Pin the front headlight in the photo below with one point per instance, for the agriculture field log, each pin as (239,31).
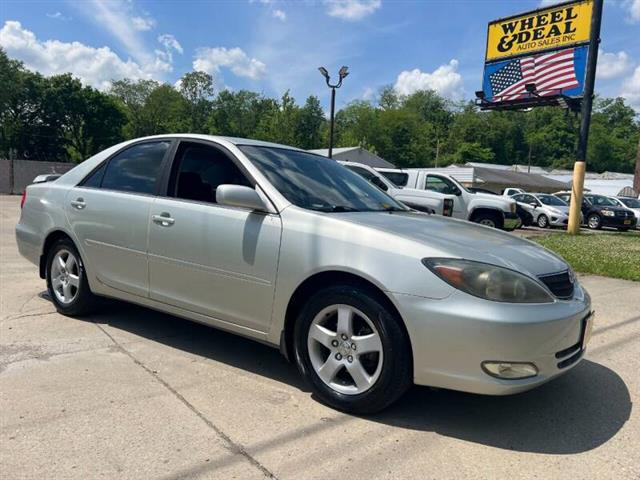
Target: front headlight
(488,281)
(608,213)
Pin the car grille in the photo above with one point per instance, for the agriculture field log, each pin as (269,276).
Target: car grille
(560,284)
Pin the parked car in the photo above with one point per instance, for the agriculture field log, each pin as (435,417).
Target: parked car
(600,211)
(546,210)
(490,210)
(297,251)
(632,204)
(481,190)
(511,191)
(421,200)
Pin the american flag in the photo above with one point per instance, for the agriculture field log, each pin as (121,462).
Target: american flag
(550,73)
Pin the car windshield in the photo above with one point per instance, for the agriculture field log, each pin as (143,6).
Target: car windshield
(318,183)
(630,202)
(552,200)
(602,201)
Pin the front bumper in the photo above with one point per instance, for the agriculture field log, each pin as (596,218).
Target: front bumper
(558,220)
(452,337)
(619,222)
(511,221)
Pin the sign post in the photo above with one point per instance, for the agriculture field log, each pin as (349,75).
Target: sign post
(579,166)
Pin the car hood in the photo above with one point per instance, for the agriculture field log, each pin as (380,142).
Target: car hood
(458,238)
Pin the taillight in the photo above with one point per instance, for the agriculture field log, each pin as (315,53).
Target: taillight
(23,198)
(447,210)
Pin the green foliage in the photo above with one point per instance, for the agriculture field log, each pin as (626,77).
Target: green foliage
(57,118)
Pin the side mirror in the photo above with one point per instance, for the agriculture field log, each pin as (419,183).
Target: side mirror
(239,196)
(457,192)
(533,204)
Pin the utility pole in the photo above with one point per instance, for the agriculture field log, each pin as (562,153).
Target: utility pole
(437,150)
(529,164)
(579,166)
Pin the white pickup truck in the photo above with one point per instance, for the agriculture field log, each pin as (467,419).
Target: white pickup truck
(490,210)
(421,200)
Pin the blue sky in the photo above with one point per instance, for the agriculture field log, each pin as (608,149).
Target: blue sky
(274,45)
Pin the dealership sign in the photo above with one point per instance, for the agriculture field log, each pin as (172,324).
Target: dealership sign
(539,55)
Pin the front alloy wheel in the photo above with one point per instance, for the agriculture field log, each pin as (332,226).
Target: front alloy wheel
(345,349)
(351,347)
(594,221)
(543,221)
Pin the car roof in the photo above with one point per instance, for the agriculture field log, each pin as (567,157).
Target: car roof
(217,138)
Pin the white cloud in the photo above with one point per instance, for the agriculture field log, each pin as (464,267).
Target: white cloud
(94,66)
(612,65)
(445,80)
(368,94)
(170,43)
(143,23)
(352,10)
(279,14)
(115,16)
(210,60)
(633,8)
(631,90)
(58,16)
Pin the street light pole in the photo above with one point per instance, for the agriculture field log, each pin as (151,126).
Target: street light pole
(332,115)
(344,71)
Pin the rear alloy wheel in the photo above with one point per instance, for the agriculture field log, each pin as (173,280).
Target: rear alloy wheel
(594,222)
(543,221)
(352,350)
(67,280)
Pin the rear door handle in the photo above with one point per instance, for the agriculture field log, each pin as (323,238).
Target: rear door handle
(164,219)
(78,203)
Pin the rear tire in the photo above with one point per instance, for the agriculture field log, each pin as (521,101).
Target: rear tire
(352,350)
(67,280)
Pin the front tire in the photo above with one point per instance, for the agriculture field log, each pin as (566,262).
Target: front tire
(488,220)
(67,280)
(352,350)
(594,222)
(543,221)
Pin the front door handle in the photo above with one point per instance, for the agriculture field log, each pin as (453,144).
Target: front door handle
(78,203)
(164,219)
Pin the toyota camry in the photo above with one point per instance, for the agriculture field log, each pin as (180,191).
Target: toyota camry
(364,295)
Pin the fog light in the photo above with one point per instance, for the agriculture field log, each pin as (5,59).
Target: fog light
(510,370)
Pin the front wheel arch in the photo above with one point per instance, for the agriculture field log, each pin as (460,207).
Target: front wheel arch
(322,280)
(498,215)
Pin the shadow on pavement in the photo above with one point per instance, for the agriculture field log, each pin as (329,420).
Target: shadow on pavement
(571,414)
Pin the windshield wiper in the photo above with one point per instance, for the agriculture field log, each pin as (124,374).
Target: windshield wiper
(337,208)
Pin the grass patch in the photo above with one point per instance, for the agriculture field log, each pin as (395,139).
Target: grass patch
(614,255)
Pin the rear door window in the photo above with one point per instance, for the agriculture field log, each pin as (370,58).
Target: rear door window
(136,169)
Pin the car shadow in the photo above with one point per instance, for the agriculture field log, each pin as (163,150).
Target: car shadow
(571,414)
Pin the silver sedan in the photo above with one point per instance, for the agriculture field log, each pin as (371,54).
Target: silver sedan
(294,250)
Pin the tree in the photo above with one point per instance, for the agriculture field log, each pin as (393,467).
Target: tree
(165,111)
(134,96)
(197,89)
(309,124)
